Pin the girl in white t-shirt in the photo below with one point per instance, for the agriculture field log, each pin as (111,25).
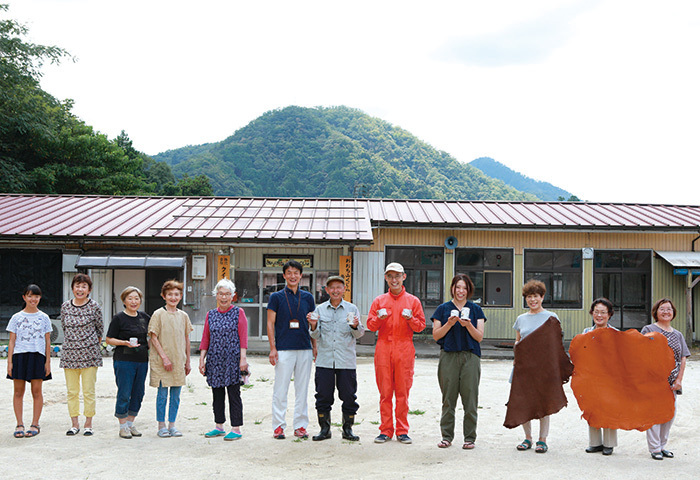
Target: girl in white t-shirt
(29,357)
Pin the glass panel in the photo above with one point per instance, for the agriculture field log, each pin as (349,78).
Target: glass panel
(638,260)
(430,257)
(247,286)
(433,288)
(405,256)
(469,258)
(608,285)
(498,259)
(272,282)
(498,289)
(538,260)
(320,294)
(608,260)
(252,314)
(566,259)
(566,289)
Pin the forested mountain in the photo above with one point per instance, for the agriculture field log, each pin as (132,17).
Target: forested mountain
(333,152)
(542,190)
(44,148)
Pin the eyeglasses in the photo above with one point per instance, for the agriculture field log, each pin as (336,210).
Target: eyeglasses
(394,277)
(666,310)
(221,294)
(600,312)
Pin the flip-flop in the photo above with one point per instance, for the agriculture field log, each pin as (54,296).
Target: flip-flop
(72,431)
(468,446)
(88,432)
(32,433)
(19,433)
(444,444)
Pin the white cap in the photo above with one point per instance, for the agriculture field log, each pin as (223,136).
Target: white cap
(394,267)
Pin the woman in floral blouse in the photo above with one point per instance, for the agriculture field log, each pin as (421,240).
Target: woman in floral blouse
(81,318)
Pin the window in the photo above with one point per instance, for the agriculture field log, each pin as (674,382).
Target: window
(423,268)
(624,278)
(561,272)
(491,270)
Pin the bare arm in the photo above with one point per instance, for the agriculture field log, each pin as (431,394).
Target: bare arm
(271,317)
(47,367)
(188,368)
(10,352)
(477,333)
(440,330)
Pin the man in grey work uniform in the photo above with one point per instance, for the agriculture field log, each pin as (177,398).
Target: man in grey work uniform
(336,330)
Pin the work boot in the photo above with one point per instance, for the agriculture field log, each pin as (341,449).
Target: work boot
(324,421)
(348,421)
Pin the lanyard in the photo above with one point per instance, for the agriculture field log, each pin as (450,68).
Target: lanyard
(292,317)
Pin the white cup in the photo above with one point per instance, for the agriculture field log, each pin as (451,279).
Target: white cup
(351,319)
(454,313)
(407,312)
(465,313)
(315,315)
(133,341)
(381,312)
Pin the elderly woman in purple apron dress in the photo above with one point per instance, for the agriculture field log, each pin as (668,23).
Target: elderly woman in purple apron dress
(223,359)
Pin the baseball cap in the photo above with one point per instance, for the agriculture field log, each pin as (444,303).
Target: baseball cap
(394,267)
(335,278)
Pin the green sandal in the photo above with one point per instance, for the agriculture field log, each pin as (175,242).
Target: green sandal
(541,447)
(525,445)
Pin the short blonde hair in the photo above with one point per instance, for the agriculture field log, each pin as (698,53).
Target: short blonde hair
(128,291)
(171,285)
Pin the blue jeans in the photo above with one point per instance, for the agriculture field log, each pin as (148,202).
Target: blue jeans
(131,384)
(162,399)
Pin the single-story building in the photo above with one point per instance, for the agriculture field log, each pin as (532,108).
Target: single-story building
(633,254)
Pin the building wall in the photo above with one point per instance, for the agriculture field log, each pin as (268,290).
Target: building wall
(500,320)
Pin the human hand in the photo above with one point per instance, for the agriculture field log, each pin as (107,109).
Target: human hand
(47,367)
(355,323)
(167,364)
(676,386)
(382,313)
(202,365)
(9,368)
(188,368)
(312,321)
(407,313)
(244,365)
(314,349)
(274,357)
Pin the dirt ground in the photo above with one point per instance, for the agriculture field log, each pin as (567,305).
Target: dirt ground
(257,455)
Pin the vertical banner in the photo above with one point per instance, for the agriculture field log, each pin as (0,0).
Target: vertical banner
(346,272)
(223,267)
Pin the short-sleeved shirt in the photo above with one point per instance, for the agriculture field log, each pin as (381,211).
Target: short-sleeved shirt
(171,330)
(529,322)
(124,327)
(457,338)
(30,330)
(676,341)
(291,306)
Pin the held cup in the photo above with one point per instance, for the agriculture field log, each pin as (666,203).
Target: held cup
(407,312)
(465,313)
(381,312)
(351,319)
(133,341)
(315,315)
(454,313)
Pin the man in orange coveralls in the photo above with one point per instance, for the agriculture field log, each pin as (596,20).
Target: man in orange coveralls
(395,315)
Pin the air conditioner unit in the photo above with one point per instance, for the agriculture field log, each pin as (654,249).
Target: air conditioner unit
(57,333)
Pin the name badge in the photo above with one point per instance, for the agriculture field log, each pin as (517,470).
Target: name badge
(294,323)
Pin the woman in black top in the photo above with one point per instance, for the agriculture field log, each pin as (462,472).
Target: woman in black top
(128,332)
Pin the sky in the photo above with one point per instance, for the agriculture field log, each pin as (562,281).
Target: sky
(600,98)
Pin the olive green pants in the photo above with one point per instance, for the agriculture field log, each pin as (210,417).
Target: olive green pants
(459,374)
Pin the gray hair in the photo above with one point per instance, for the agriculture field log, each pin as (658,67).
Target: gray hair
(226,284)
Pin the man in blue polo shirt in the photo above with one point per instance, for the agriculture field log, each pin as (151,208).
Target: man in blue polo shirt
(290,349)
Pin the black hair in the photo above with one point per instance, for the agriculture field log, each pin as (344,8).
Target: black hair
(292,264)
(32,290)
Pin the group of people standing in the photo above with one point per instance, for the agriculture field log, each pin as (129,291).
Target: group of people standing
(299,332)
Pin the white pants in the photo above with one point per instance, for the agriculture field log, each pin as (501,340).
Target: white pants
(297,363)
(606,437)
(544,427)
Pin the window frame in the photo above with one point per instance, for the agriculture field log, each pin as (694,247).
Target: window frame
(529,274)
(485,270)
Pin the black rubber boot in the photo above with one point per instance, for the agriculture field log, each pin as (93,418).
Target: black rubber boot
(348,421)
(324,421)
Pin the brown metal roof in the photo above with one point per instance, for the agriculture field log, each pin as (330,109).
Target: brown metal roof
(309,220)
(534,215)
(178,218)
